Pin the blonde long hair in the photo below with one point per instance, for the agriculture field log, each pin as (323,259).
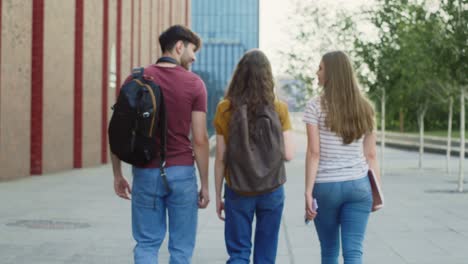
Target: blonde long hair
(349,113)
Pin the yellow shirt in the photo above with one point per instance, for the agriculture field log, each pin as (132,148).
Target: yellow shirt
(222,118)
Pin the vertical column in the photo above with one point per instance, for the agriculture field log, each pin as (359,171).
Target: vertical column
(131,33)
(78,86)
(187,12)
(118,59)
(139,33)
(158,29)
(170,13)
(151,33)
(105,79)
(37,64)
(1,1)
(161,16)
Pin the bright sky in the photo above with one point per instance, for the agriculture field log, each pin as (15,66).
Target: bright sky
(274,26)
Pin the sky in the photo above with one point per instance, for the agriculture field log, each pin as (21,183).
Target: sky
(274,25)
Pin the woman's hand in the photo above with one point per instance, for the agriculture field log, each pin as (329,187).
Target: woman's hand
(310,214)
(220,207)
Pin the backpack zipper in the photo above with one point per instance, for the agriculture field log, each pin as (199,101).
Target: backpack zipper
(153,99)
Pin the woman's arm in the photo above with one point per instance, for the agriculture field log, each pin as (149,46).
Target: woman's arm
(289,147)
(370,152)
(219,174)
(312,162)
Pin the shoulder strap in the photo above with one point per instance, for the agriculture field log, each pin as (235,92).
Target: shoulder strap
(163,140)
(138,73)
(168,60)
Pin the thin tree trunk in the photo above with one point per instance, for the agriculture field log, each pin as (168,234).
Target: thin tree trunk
(449,135)
(402,121)
(462,140)
(421,140)
(421,115)
(382,133)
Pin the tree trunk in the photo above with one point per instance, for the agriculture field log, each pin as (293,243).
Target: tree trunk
(421,114)
(382,133)
(402,121)
(421,140)
(449,135)
(462,140)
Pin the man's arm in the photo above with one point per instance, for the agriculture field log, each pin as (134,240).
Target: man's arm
(201,150)
(121,186)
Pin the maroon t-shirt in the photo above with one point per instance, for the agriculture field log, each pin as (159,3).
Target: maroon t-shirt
(184,92)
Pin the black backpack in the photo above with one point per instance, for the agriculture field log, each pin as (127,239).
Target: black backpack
(255,163)
(139,118)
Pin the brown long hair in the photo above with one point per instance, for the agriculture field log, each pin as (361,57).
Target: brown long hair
(252,84)
(349,113)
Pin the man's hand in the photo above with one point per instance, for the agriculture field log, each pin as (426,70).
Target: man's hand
(203,198)
(220,208)
(122,188)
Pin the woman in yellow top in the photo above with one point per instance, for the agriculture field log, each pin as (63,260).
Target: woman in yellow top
(252,141)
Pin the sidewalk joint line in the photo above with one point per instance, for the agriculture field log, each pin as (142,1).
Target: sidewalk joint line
(288,242)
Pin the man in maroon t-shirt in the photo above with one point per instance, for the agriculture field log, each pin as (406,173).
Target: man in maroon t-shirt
(186,104)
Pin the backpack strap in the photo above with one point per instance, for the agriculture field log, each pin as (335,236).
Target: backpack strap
(167,60)
(137,72)
(163,141)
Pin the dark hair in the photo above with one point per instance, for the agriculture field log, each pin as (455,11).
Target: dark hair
(169,38)
(252,84)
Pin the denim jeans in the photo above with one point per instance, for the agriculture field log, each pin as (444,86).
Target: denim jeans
(240,211)
(342,205)
(151,205)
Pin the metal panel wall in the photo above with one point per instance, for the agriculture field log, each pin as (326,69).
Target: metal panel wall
(228,29)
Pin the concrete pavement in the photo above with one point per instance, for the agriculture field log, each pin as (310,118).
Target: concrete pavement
(74,217)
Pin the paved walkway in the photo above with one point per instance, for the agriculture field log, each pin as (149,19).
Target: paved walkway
(424,221)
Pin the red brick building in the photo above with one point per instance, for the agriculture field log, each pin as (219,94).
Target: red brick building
(60,64)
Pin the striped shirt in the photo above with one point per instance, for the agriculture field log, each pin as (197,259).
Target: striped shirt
(338,162)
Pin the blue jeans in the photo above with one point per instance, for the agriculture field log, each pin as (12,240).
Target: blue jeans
(240,211)
(151,205)
(344,205)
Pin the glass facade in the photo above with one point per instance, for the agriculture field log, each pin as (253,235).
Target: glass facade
(228,28)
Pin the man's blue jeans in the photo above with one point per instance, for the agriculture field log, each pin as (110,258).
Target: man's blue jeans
(344,205)
(151,205)
(240,211)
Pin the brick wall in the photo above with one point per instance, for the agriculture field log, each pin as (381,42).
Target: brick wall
(15,98)
(54,113)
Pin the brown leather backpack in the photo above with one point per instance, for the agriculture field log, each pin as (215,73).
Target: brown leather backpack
(255,163)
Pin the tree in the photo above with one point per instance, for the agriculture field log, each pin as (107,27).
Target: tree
(318,28)
(455,16)
(419,42)
(406,61)
(377,67)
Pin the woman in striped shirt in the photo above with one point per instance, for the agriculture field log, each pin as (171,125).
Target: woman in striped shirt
(341,149)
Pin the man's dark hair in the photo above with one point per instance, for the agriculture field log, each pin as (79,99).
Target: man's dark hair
(169,38)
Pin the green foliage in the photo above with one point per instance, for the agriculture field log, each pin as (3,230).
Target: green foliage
(418,57)
(318,29)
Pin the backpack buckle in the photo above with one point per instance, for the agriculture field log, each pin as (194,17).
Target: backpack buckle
(148,77)
(137,72)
